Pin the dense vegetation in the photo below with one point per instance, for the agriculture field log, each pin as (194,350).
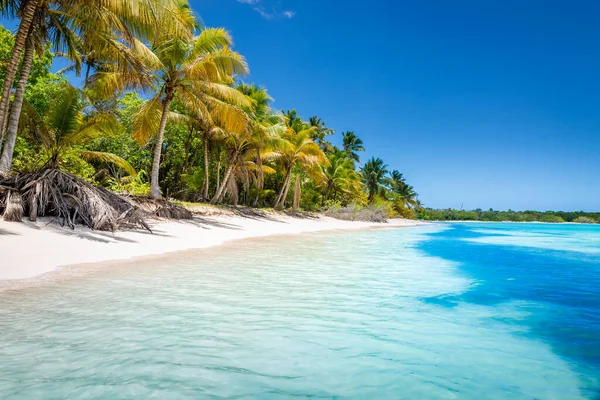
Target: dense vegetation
(514,216)
(156,106)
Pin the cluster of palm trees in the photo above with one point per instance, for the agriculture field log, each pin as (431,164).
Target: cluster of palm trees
(189,76)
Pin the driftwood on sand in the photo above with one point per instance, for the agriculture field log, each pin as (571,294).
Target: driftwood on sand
(71,200)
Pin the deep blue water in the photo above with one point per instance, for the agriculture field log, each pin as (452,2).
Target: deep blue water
(555,269)
(449,311)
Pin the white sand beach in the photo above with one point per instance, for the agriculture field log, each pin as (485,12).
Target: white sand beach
(32,249)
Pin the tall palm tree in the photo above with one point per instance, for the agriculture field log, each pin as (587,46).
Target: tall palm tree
(408,196)
(71,25)
(196,69)
(340,176)
(47,23)
(262,126)
(131,12)
(373,175)
(26,9)
(352,145)
(321,131)
(267,123)
(296,149)
(66,127)
(396,181)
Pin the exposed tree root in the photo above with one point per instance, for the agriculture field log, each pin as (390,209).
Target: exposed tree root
(71,200)
(14,207)
(161,208)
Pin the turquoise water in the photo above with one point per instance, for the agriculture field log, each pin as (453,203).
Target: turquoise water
(455,311)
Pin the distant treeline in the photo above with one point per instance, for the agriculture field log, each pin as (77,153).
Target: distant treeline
(516,216)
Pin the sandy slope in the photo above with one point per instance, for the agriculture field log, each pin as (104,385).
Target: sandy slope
(28,250)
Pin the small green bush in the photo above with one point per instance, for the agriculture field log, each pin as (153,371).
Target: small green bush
(554,219)
(585,220)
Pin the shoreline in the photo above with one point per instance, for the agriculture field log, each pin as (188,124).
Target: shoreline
(32,251)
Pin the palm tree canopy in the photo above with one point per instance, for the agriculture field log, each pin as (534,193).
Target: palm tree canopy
(373,175)
(352,145)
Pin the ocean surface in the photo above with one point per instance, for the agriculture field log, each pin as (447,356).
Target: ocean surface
(448,311)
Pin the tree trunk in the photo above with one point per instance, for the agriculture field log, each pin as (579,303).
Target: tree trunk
(154,187)
(221,190)
(206,166)
(186,158)
(34,202)
(14,207)
(13,64)
(297,189)
(15,110)
(218,166)
(283,193)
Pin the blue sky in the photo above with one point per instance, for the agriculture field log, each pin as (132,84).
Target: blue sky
(479,103)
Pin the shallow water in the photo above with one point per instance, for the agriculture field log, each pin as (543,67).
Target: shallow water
(457,311)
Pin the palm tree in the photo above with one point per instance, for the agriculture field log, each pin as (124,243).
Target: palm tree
(352,145)
(321,131)
(373,175)
(408,196)
(70,26)
(267,123)
(26,9)
(66,127)
(296,149)
(263,126)
(65,12)
(340,176)
(396,181)
(196,69)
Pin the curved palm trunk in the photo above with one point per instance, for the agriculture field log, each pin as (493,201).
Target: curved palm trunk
(297,190)
(13,65)
(218,166)
(154,187)
(206,166)
(261,179)
(284,190)
(15,111)
(221,190)
(285,193)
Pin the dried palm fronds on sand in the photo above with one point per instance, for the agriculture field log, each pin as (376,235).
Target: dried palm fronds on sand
(72,200)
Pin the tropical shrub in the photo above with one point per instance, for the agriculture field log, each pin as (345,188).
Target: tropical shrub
(585,220)
(550,218)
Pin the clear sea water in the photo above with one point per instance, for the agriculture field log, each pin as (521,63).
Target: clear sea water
(452,311)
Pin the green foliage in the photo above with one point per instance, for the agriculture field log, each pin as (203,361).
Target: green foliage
(551,218)
(512,216)
(220,141)
(585,220)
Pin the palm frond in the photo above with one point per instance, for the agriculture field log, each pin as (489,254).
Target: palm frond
(147,120)
(108,158)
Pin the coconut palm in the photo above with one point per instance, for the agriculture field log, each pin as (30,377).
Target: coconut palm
(196,69)
(352,145)
(408,196)
(115,13)
(396,181)
(340,176)
(373,176)
(321,132)
(26,10)
(269,124)
(47,23)
(295,148)
(66,128)
(70,26)
(247,144)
